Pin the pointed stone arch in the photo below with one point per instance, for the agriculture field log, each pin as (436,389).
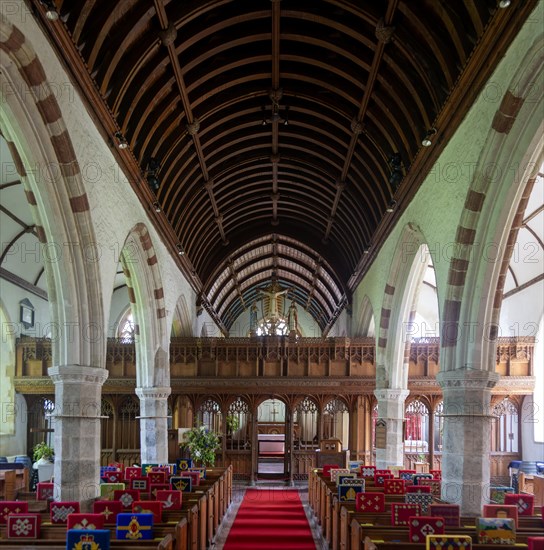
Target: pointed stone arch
(398,308)
(146,296)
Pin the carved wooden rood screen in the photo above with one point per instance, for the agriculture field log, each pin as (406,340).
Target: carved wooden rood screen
(326,385)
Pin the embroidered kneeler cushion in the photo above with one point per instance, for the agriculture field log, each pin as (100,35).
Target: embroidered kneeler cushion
(535,543)
(524,502)
(23,526)
(186,463)
(44,490)
(201,471)
(379,479)
(496,530)
(59,511)
(501,511)
(368,472)
(83,539)
(126,497)
(109,509)
(386,471)
(335,472)
(146,468)
(424,500)
(168,469)
(107,490)
(134,526)
(181,483)
(113,477)
(140,484)
(437,474)
(131,472)
(341,477)
(448,542)
(149,507)
(85,521)
(426,489)
(348,493)
(156,477)
(195,476)
(496,494)
(402,512)
(8,507)
(327,469)
(434,484)
(417,477)
(450,513)
(421,526)
(370,502)
(171,500)
(406,474)
(394,486)
(154,487)
(355,482)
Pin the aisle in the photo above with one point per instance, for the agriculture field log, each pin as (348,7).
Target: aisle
(270,520)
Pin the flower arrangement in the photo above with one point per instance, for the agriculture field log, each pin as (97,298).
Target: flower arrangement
(202,445)
(43,451)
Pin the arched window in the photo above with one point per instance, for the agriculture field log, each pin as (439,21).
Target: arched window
(272,327)
(504,433)
(238,425)
(416,435)
(336,421)
(125,329)
(305,421)
(209,415)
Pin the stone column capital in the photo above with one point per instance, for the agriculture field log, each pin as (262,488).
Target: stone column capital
(391,395)
(153,393)
(77,374)
(467,379)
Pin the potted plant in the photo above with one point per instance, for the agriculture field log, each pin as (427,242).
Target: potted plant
(43,453)
(202,445)
(233,423)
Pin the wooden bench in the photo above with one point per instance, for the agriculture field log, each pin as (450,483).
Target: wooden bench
(12,481)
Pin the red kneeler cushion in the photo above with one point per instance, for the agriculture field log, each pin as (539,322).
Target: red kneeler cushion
(126,497)
(394,486)
(109,509)
(155,487)
(149,507)
(85,521)
(23,526)
(156,477)
(501,511)
(171,500)
(132,471)
(370,502)
(8,507)
(44,490)
(418,489)
(327,469)
(535,543)
(59,511)
(525,503)
(401,512)
(421,526)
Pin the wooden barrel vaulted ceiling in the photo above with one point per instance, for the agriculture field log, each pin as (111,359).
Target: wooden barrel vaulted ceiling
(274,135)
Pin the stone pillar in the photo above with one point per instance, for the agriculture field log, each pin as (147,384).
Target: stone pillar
(153,425)
(391,409)
(467,428)
(76,421)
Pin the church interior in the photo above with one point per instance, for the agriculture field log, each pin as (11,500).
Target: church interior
(315,228)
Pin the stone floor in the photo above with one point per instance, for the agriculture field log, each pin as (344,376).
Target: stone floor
(238,491)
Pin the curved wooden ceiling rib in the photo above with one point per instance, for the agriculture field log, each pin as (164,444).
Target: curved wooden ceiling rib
(354,98)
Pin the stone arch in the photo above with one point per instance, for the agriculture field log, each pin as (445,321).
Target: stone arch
(32,123)
(366,320)
(490,219)
(182,325)
(146,296)
(398,308)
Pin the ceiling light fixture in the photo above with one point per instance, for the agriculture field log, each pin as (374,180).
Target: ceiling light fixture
(181,251)
(391,206)
(428,139)
(157,207)
(275,114)
(153,167)
(504,3)
(122,143)
(50,10)
(366,250)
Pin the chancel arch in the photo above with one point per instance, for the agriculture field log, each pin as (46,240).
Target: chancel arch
(365,325)
(181,323)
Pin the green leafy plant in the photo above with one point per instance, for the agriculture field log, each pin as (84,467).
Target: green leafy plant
(43,450)
(202,445)
(233,423)
(422,457)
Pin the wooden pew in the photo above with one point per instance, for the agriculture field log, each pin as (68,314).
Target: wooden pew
(369,544)
(12,481)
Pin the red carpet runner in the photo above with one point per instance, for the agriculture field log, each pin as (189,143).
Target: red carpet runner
(270,519)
